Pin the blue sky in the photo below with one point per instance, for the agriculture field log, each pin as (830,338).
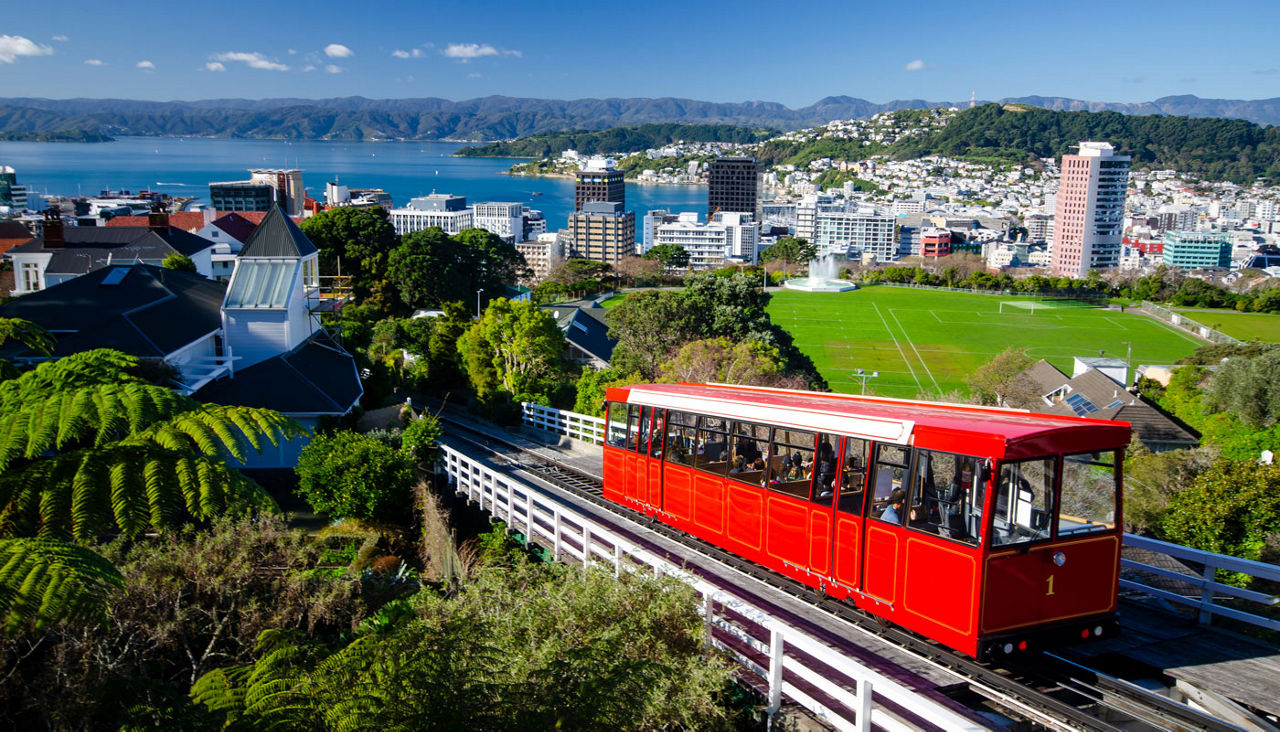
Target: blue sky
(794,53)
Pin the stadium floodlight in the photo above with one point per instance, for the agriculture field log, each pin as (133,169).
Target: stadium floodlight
(862,376)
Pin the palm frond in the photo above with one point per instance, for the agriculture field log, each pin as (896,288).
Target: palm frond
(43,582)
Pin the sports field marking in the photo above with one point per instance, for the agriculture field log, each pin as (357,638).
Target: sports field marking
(899,345)
(906,335)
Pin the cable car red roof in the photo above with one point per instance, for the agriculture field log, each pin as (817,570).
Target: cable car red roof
(876,418)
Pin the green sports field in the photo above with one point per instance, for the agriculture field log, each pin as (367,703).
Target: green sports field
(925,341)
(1245,326)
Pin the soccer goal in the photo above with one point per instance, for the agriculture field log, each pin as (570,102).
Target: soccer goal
(1022,305)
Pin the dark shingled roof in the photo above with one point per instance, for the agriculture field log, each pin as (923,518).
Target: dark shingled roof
(584,326)
(315,378)
(89,248)
(237,226)
(150,313)
(277,236)
(1153,425)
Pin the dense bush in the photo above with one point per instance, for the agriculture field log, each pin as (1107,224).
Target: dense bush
(349,475)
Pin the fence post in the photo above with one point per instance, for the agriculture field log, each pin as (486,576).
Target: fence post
(863,719)
(528,517)
(617,559)
(586,545)
(555,544)
(776,647)
(1210,575)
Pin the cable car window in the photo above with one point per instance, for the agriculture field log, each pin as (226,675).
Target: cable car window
(947,495)
(748,447)
(888,502)
(1088,493)
(824,470)
(791,462)
(682,436)
(853,475)
(712,454)
(1024,502)
(617,429)
(634,434)
(659,429)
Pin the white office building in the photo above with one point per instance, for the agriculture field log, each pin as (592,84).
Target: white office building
(504,219)
(448,212)
(854,232)
(728,237)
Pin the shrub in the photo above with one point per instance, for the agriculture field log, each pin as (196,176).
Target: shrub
(419,438)
(349,475)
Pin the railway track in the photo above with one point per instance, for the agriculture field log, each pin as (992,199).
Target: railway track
(1046,690)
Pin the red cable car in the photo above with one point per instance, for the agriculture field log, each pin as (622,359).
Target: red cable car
(991,531)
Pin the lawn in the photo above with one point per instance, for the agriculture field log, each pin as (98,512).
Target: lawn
(1245,326)
(614,301)
(926,342)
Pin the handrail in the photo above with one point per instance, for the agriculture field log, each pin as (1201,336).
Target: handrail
(561,421)
(837,689)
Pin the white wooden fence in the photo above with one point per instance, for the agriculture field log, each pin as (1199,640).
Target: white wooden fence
(1210,591)
(564,422)
(778,659)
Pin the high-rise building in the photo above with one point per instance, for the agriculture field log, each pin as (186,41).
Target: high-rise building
(1039,227)
(649,223)
(1088,219)
(733,186)
(448,212)
(602,231)
(266,187)
(12,194)
(1195,249)
(727,237)
(935,242)
(599,181)
(504,219)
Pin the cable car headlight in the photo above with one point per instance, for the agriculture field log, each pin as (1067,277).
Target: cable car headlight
(1059,558)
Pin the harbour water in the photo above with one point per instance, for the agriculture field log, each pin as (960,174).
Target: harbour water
(185,166)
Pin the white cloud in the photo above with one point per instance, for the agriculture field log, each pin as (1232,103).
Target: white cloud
(94,62)
(337,50)
(333,68)
(60,38)
(214,66)
(511,52)
(253,60)
(468,51)
(412,53)
(309,67)
(475,76)
(293,52)
(11,47)
(146,65)
(916,65)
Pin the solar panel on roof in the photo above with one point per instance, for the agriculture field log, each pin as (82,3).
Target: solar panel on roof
(115,276)
(1116,403)
(1081,405)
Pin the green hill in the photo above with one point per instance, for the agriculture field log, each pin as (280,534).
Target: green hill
(616,140)
(1214,149)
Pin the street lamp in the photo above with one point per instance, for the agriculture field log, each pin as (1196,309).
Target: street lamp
(863,376)
(478,302)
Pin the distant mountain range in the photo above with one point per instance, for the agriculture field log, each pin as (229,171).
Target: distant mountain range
(502,118)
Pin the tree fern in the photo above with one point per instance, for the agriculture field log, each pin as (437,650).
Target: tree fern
(270,693)
(43,582)
(129,488)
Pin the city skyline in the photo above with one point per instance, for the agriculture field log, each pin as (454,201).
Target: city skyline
(941,52)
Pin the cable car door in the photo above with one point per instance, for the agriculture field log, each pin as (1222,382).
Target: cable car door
(847,521)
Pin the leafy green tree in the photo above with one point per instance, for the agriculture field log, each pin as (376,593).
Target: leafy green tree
(996,381)
(1248,389)
(721,360)
(590,388)
(1232,508)
(516,347)
(350,475)
(431,268)
(88,448)
(790,250)
(180,262)
(420,438)
(359,241)
(648,326)
(672,256)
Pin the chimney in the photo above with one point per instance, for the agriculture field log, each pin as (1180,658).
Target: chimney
(53,237)
(158,220)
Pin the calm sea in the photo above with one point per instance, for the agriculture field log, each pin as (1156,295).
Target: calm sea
(185,166)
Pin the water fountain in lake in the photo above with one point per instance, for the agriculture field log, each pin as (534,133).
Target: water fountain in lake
(823,277)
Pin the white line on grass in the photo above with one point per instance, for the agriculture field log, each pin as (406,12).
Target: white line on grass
(912,343)
(902,353)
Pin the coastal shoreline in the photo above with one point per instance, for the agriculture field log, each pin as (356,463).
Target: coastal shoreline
(637,181)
